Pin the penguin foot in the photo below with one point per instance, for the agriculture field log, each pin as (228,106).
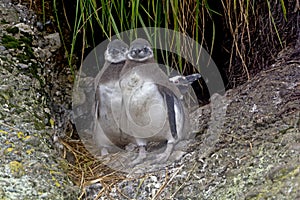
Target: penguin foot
(141,156)
(163,157)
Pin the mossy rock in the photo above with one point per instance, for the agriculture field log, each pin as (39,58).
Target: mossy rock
(13,30)
(10,42)
(3,21)
(26,40)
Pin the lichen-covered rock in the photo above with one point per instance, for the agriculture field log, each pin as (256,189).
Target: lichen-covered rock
(30,168)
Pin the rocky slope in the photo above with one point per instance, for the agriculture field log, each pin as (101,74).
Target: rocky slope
(29,165)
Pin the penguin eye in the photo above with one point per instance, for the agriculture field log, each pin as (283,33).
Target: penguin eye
(114,51)
(133,52)
(123,49)
(145,49)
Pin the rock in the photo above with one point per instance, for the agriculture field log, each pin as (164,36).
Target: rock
(2,48)
(30,166)
(23,66)
(54,41)
(41,53)
(24,28)
(8,13)
(39,26)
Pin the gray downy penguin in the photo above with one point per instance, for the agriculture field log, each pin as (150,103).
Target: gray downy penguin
(151,107)
(108,98)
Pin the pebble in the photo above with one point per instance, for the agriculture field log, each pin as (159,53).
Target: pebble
(23,66)
(2,48)
(54,41)
(24,28)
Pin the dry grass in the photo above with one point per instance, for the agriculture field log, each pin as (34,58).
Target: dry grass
(259,30)
(85,170)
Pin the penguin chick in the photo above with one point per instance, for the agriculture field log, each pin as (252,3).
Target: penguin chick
(151,106)
(108,98)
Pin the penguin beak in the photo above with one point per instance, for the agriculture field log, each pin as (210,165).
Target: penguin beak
(193,77)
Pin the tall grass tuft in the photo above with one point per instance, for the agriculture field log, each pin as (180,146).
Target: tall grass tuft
(256,34)
(113,17)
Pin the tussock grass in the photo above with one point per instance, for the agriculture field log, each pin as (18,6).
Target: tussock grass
(112,17)
(258,31)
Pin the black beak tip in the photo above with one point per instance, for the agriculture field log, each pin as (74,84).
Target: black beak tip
(193,77)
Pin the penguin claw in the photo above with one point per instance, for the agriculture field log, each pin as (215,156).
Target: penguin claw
(141,156)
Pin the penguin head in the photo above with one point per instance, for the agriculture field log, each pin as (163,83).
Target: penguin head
(179,80)
(140,50)
(116,51)
(185,80)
